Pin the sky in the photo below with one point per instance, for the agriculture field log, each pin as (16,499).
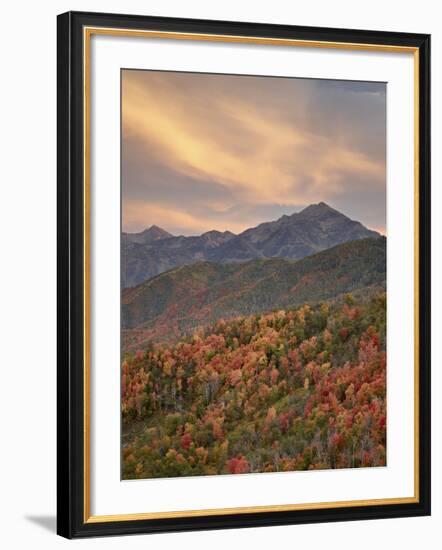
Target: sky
(227,152)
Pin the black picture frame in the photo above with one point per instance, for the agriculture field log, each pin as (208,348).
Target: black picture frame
(72,521)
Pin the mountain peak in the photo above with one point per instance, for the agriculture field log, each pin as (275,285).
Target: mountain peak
(149,235)
(216,232)
(318,208)
(155,229)
(217,237)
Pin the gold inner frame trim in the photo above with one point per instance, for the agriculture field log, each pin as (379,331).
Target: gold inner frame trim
(87,34)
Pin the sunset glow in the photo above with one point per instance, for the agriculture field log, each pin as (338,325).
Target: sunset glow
(224,152)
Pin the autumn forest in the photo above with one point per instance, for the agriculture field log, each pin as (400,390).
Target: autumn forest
(295,389)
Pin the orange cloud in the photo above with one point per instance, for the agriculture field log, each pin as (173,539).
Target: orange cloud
(255,152)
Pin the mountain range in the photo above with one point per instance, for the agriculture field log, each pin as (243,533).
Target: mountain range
(316,228)
(173,304)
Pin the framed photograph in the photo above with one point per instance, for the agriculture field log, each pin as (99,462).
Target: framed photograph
(243,274)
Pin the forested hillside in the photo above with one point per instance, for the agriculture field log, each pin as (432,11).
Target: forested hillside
(293,389)
(176,303)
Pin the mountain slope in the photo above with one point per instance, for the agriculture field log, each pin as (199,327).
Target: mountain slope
(176,302)
(141,261)
(315,228)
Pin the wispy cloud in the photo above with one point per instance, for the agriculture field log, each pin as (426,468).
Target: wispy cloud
(259,139)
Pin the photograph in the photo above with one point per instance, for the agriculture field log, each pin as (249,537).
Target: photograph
(253,274)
